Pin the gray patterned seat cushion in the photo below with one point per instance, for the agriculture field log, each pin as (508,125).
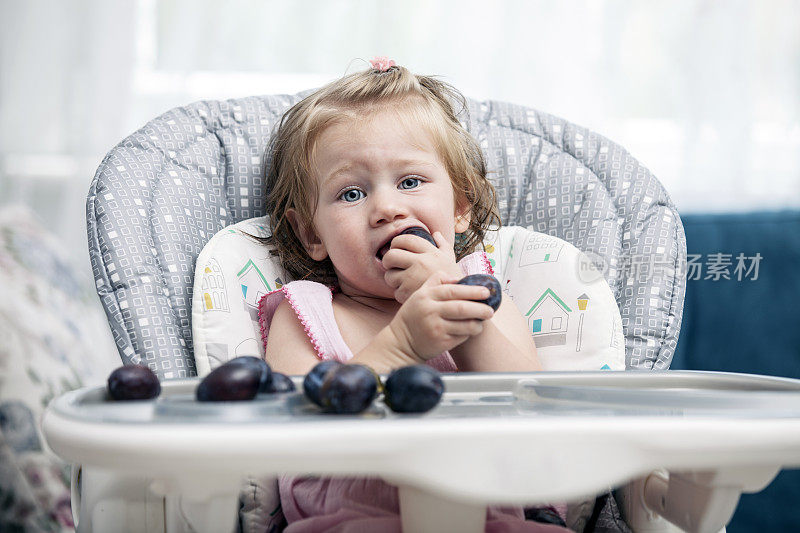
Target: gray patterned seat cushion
(161,194)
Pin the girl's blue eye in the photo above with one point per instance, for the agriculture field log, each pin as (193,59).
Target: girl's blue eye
(351,195)
(410,183)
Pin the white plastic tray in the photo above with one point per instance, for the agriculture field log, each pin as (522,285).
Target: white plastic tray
(494,438)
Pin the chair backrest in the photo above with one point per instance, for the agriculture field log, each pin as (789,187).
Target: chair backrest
(160,195)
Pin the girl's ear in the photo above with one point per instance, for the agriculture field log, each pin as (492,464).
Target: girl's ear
(307,235)
(463,217)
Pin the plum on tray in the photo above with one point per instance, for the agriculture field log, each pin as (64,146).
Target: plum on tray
(230,383)
(413,389)
(258,364)
(280,383)
(133,382)
(348,389)
(312,383)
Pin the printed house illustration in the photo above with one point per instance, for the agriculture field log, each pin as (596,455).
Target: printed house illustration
(540,248)
(548,320)
(253,285)
(215,297)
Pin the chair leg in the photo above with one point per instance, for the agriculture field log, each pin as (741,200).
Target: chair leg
(202,505)
(422,511)
(697,502)
(104,501)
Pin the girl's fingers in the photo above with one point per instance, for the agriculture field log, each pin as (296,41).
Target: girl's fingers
(412,243)
(464,328)
(451,290)
(393,277)
(398,258)
(439,278)
(441,242)
(465,310)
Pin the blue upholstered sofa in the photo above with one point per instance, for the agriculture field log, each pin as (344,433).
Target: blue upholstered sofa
(747,325)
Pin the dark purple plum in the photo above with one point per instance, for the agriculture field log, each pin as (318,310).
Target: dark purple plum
(419,232)
(349,389)
(230,383)
(257,364)
(280,383)
(491,283)
(413,389)
(133,382)
(312,383)
(414,230)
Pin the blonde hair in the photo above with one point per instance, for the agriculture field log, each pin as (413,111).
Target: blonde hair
(422,99)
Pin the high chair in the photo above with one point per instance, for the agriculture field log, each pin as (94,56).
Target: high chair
(165,190)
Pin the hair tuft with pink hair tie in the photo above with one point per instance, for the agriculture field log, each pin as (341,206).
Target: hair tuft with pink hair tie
(382,63)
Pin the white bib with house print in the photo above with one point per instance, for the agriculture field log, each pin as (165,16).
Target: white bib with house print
(568,306)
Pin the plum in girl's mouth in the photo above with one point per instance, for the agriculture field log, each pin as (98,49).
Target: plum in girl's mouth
(414,230)
(419,232)
(383,250)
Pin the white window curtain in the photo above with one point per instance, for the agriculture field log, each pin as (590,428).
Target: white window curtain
(704,93)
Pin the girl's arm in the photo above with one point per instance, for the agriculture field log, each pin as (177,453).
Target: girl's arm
(289,350)
(437,317)
(504,345)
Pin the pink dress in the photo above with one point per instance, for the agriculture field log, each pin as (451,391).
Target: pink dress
(349,505)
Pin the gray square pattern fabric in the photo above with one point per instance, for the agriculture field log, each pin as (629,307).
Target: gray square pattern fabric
(165,190)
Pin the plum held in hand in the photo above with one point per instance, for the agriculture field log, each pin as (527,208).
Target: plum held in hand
(258,364)
(312,383)
(348,389)
(413,389)
(230,383)
(419,232)
(488,281)
(133,382)
(414,230)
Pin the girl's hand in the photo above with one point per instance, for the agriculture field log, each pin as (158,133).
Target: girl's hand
(412,260)
(439,316)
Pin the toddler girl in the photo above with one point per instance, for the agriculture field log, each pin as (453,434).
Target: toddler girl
(350,167)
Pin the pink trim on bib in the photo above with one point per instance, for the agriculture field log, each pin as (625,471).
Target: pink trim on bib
(312,303)
(476,263)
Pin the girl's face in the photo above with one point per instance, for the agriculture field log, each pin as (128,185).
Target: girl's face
(375,178)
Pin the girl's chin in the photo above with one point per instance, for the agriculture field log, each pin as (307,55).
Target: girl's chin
(376,288)
(361,292)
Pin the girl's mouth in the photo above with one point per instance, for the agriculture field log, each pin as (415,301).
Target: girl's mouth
(413,230)
(385,248)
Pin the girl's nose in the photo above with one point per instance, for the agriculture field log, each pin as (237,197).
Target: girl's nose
(386,208)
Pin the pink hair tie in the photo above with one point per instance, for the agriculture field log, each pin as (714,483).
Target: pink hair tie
(382,63)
